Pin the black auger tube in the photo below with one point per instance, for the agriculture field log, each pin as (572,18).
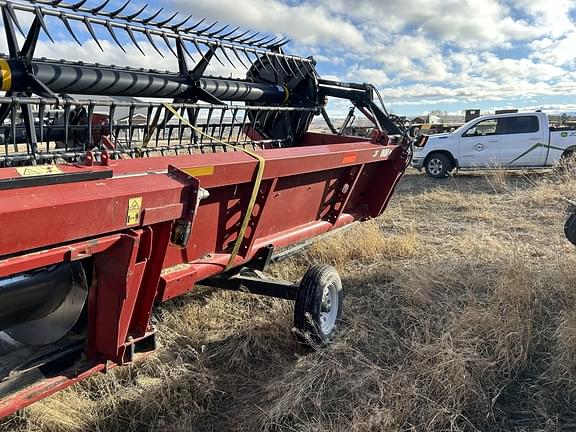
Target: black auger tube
(230,90)
(29,296)
(107,81)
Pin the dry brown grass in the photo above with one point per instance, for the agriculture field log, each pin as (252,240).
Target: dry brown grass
(499,179)
(365,244)
(460,315)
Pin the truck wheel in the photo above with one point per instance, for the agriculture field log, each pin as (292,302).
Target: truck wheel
(318,307)
(437,165)
(568,158)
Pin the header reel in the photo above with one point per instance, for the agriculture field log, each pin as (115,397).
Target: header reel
(285,88)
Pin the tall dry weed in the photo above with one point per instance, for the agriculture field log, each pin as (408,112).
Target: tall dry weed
(499,179)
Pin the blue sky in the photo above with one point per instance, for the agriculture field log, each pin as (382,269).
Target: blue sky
(423,55)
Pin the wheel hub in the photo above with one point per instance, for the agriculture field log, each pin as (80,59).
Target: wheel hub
(435,166)
(329,308)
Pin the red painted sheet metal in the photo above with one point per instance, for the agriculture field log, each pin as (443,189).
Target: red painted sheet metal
(49,215)
(237,167)
(45,388)
(120,274)
(293,201)
(46,257)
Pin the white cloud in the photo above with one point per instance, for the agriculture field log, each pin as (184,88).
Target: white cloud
(373,76)
(553,15)
(560,51)
(467,23)
(307,23)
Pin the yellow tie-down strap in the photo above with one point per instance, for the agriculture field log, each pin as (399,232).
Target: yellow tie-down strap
(255,187)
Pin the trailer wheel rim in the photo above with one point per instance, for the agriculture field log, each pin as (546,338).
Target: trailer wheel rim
(435,166)
(329,308)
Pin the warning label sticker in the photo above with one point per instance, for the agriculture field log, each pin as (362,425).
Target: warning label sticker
(38,170)
(134,209)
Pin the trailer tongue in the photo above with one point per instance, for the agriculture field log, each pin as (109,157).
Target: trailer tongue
(110,205)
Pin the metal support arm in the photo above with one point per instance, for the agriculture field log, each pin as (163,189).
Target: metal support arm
(254,285)
(362,97)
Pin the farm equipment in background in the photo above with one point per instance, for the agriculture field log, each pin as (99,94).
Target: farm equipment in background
(109,206)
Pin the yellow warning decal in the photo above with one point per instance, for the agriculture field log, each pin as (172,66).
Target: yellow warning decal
(134,209)
(6,75)
(38,170)
(199,171)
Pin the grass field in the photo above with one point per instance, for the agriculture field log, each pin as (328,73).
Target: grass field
(460,314)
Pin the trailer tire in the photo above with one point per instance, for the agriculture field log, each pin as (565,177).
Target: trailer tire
(318,306)
(437,165)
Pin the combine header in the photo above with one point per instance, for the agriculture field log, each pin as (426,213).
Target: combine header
(123,187)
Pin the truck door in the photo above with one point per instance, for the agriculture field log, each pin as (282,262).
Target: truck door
(522,141)
(480,145)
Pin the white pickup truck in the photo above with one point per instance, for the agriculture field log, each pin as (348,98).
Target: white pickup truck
(505,140)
